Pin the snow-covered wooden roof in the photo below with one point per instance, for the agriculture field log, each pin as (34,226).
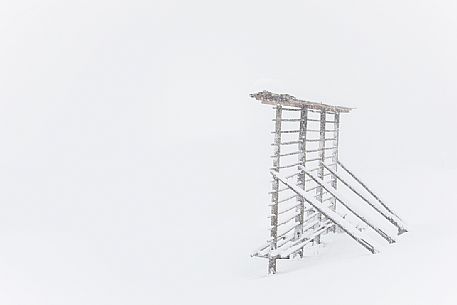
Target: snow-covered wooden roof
(267,97)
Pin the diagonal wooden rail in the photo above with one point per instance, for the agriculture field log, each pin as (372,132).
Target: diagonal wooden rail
(392,218)
(344,224)
(367,189)
(340,199)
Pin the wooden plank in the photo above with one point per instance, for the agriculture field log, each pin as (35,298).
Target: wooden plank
(290,101)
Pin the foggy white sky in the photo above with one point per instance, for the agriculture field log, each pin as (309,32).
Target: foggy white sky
(182,70)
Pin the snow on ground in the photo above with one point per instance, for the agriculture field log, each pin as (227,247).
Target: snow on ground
(189,243)
(217,268)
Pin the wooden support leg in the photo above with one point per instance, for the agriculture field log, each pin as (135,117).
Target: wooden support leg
(301,175)
(320,172)
(275,193)
(335,158)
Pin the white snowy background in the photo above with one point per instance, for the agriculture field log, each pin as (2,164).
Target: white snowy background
(134,165)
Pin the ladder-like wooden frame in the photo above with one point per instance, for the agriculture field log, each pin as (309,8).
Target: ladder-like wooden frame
(313,128)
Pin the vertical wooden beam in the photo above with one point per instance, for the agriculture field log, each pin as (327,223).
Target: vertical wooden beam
(335,160)
(320,172)
(335,154)
(275,193)
(302,175)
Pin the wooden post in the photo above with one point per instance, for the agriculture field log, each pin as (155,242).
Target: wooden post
(301,176)
(275,193)
(335,154)
(320,172)
(334,180)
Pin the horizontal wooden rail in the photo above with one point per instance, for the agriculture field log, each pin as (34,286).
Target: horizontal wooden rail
(312,160)
(318,140)
(310,179)
(288,219)
(289,109)
(287,199)
(286,131)
(318,130)
(287,154)
(288,120)
(304,240)
(280,190)
(320,149)
(287,166)
(292,175)
(288,230)
(319,111)
(289,209)
(287,143)
(282,200)
(293,242)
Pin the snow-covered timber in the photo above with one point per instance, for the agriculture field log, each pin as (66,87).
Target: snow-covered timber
(288,100)
(335,153)
(393,219)
(321,158)
(337,196)
(345,225)
(301,176)
(275,194)
(304,194)
(368,190)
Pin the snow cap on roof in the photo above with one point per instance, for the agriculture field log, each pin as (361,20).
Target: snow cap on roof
(270,98)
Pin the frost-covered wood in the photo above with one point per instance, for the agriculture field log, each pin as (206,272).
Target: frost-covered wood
(301,175)
(275,194)
(306,239)
(351,209)
(295,221)
(393,219)
(370,191)
(345,225)
(288,100)
(320,172)
(335,153)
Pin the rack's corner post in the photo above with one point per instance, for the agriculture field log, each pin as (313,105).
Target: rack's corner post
(275,190)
